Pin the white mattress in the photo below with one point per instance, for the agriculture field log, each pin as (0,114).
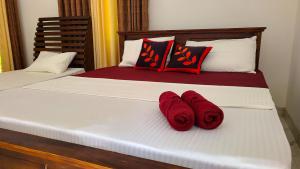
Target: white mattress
(19,78)
(247,139)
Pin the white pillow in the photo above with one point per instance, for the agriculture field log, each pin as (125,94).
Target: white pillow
(132,49)
(232,55)
(51,62)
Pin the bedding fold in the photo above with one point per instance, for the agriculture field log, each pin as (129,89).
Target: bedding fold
(223,96)
(207,114)
(20,78)
(179,115)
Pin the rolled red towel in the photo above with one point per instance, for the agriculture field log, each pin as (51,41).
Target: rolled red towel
(178,113)
(207,114)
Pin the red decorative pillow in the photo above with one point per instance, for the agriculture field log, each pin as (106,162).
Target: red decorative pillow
(153,55)
(187,59)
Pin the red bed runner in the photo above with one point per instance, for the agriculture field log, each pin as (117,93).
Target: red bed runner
(204,78)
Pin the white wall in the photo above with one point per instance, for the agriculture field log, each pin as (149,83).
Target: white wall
(293,105)
(278,15)
(30,11)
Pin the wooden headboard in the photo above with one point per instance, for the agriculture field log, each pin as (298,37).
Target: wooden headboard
(198,35)
(66,34)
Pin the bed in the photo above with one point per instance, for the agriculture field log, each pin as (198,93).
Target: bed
(109,118)
(67,34)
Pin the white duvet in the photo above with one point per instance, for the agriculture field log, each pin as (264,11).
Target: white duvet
(20,78)
(101,114)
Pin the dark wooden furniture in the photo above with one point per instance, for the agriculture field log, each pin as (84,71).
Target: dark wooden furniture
(198,35)
(19,149)
(66,34)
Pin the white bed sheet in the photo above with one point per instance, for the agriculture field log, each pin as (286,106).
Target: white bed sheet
(20,78)
(247,139)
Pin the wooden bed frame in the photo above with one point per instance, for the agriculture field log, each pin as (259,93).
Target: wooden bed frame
(66,34)
(19,150)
